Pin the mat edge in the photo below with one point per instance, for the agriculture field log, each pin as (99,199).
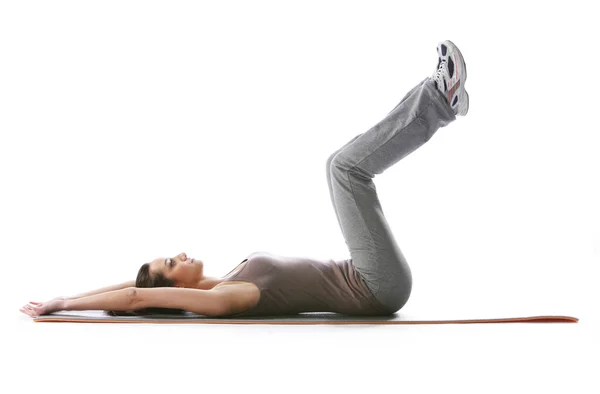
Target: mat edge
(528,319)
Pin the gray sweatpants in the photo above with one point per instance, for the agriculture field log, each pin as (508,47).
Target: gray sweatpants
(350,172)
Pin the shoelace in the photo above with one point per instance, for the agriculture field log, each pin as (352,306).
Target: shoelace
(440,73)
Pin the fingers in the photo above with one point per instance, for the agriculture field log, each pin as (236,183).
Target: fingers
(26,311)
(29,310)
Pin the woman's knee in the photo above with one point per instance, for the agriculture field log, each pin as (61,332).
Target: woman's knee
(340,162)
(330,160)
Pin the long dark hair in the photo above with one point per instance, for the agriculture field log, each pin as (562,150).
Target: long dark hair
(145,279)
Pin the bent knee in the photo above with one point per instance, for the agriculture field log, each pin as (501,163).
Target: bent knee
(329,160)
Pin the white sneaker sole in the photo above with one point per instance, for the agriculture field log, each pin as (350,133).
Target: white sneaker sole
(463,96)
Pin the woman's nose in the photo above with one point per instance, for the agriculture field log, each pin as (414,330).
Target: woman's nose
(183,256)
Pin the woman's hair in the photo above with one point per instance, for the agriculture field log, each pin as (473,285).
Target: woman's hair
(145,279)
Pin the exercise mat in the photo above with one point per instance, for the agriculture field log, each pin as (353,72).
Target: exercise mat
(95,316)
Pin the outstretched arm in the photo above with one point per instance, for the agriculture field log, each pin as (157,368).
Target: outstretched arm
(117,300)
(204,302)
(129,283)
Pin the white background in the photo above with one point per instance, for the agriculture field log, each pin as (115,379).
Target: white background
(134,130)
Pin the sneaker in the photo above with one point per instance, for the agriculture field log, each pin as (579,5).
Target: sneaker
(450,77)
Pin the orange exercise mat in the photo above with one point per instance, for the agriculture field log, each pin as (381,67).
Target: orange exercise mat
(94,316)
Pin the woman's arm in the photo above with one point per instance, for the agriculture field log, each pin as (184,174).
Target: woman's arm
(129,283)
(117,300)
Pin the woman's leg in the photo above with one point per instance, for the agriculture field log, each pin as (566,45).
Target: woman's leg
(328,171)
(373,249)
(328,164)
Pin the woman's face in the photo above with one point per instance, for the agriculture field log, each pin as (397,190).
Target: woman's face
(184,271)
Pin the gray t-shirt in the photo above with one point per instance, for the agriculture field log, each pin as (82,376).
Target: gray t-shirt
(291,285)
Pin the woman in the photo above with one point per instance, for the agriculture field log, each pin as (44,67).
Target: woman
(376,280)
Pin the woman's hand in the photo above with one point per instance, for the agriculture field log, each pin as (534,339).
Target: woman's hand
(35,309)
